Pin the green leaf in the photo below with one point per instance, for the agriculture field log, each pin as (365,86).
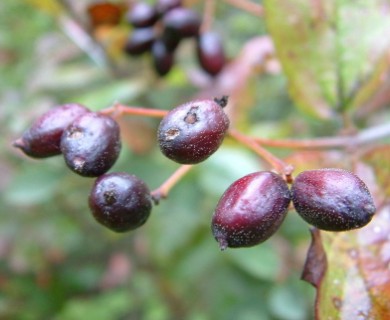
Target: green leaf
(353,278)
(334,52)
(107,306)
(262,262)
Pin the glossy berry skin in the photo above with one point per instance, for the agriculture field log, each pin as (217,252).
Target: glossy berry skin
(332,199)
(163,6)
(182,23)
(163,59)
(142,15)
(43,138)
(210,52)
(91,144)
(120,201)
(139,41)
(251,210)
(193,131)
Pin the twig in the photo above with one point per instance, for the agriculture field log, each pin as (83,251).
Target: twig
(117,109)
(208,15)
(278,164)
(248,6)
(162,191)
(365,136)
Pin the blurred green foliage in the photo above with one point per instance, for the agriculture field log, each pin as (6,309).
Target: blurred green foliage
(56,262)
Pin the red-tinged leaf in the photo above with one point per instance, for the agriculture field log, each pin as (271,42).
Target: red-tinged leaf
(378,159)
(315,264)
(356,283)
(334,52)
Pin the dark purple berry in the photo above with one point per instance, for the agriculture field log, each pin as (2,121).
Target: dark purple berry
(210,52)
(120,201)
(139,41)
(142,15)
(163,59)
(193,131)
(43,138)
(91,144)
(251,210)
(182,23)
(163,6)
(332,199)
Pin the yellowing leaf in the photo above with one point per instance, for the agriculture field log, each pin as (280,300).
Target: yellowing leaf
(334,52)
(351,271)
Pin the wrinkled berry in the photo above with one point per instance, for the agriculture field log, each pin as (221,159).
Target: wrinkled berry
(43,138)
(332,199)
(91,144)
(251,210)
(193,131)
(120,201)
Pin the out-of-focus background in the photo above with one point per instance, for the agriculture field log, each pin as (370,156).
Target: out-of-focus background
(56,262)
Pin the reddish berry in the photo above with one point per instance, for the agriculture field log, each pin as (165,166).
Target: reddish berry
(139,41)
(142,15)
(163,6)
(91,144)
(182,23)
(332,199)
(210,52)
(120,201)
(251,210)
(193,131)
(163,59)
(43,138)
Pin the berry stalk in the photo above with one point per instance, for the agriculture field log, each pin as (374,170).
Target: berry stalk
(163,190)
(363,137)
(118,109)
(248,6)
(278,164)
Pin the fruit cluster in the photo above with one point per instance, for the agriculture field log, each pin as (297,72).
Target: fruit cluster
(254,207)
(160,28)
(90,144)
(249,212)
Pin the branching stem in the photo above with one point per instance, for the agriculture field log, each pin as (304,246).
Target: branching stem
(278,164)
(365,136)
(208,15)
(248,6)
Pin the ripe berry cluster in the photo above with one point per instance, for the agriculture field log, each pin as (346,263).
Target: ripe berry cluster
(160,28)
(254,207)
(249,212)
(90,144)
